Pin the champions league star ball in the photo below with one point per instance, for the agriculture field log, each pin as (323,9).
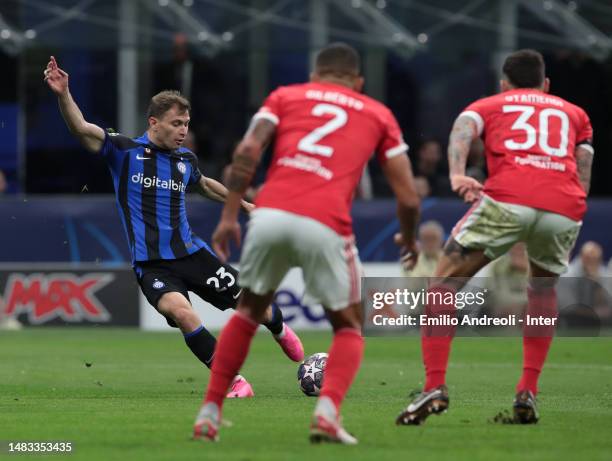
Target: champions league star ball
(310,374)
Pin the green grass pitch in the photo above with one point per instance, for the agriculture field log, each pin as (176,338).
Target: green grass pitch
(138,399)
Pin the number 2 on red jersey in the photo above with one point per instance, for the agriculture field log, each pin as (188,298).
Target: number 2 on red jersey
(309,143)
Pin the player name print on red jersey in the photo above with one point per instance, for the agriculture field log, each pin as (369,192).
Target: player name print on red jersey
(530,139)
(326,133)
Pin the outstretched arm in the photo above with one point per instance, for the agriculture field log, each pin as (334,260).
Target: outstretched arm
(91,136)
(245,161)
(461,137)
(584,162)
(216,191)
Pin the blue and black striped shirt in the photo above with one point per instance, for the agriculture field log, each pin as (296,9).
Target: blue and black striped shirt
(150,185)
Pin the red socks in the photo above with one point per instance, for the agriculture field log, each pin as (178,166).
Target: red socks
(233,345)
(345,356)
(435,358)
(436,340)
(537,339)
(535,351)
(232,349)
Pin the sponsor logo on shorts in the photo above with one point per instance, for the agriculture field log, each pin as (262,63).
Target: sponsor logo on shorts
(158,284)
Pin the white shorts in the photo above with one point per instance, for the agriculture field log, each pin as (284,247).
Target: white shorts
(495,226)
(277,240)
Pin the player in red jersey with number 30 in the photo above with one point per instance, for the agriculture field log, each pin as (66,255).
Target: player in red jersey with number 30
(325,131)
(539,157)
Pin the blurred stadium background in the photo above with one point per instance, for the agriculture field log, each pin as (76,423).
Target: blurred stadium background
(426,60)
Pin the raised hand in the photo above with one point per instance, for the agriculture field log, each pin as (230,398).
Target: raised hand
(56,78)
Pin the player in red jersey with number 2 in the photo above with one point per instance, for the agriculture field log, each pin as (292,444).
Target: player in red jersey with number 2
(539,155)
(325,131)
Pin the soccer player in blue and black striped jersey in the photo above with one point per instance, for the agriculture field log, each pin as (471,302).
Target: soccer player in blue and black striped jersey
(150,174)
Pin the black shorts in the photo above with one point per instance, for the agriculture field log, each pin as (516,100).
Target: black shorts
(202,273)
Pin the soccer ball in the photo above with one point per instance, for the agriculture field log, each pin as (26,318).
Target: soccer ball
(310,374)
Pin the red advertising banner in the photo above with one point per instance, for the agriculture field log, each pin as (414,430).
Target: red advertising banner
(68,295)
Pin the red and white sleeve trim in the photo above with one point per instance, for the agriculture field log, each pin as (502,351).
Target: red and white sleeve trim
(266,116)
(397,150)
(476,117)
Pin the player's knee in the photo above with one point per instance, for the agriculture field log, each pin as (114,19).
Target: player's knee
(185,318)
(346,318)
(540,277)
(351,324)
(170,301)
(176,307)
(255,313)
(254,306)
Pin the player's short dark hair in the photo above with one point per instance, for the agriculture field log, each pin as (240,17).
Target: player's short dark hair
(525,69)
(165,100)
(339,60)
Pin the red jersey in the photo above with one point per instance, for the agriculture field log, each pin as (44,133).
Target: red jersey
(530,139)
(325,135)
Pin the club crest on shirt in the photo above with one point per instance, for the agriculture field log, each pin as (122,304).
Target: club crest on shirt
(158,284)
(147,150)
(181,167)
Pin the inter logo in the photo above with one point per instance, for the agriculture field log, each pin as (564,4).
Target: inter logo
(158,284)
(181,167)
